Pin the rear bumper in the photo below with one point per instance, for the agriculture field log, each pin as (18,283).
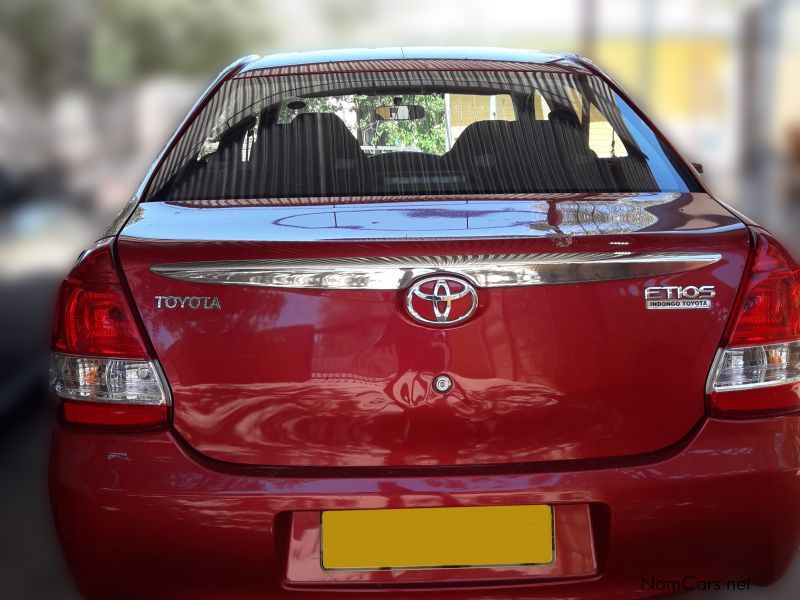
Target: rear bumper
(139,517)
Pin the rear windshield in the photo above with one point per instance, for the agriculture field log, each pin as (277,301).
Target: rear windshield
(415,133)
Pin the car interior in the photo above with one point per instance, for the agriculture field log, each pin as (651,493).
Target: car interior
(316,154)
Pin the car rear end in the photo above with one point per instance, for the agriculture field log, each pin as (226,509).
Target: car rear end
(355,336)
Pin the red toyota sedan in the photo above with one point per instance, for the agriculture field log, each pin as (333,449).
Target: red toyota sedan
(422,321)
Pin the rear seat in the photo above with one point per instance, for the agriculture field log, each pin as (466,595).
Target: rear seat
(314,154)
(527,155)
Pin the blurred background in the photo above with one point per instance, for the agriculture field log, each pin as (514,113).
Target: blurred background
(91,89)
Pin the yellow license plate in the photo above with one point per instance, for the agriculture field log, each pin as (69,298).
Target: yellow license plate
(420,538)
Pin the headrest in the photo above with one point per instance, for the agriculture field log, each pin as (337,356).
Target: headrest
(564,116)
(328,128)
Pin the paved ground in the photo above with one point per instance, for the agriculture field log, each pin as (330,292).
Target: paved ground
(31,567)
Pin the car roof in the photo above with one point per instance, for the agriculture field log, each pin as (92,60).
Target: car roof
(411,53)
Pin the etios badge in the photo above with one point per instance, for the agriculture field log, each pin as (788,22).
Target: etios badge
(441,300)
(674,297)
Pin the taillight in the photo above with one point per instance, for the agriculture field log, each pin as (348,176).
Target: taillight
(101,367)
(758,368)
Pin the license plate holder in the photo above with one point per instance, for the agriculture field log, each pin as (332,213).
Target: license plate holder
(437,538)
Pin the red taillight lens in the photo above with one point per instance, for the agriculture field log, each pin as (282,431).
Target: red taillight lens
(770,308)
(107,415)
(758,368)
(93,317)
(94,320)
(101,368)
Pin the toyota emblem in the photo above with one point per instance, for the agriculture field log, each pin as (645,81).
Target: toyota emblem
(441,300)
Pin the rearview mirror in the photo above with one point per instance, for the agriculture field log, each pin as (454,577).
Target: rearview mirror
(404,112)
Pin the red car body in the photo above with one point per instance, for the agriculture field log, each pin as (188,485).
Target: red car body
(286,401)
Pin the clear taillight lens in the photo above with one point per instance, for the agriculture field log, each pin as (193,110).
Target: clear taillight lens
(101,367)
(109,391)
(758,368)
(107,380)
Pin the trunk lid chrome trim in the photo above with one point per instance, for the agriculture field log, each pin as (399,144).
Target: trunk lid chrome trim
(394,273)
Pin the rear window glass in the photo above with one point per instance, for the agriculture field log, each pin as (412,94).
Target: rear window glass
(415,133)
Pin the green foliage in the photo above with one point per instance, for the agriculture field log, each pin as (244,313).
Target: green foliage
(428,134)
(317,105)
(191,37)
(63,43)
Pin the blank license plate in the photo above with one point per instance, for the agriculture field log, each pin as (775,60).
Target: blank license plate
(429,538)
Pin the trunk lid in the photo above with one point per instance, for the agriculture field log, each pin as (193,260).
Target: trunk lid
(571,366)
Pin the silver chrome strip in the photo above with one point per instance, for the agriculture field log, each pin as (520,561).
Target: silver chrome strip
(393,273)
